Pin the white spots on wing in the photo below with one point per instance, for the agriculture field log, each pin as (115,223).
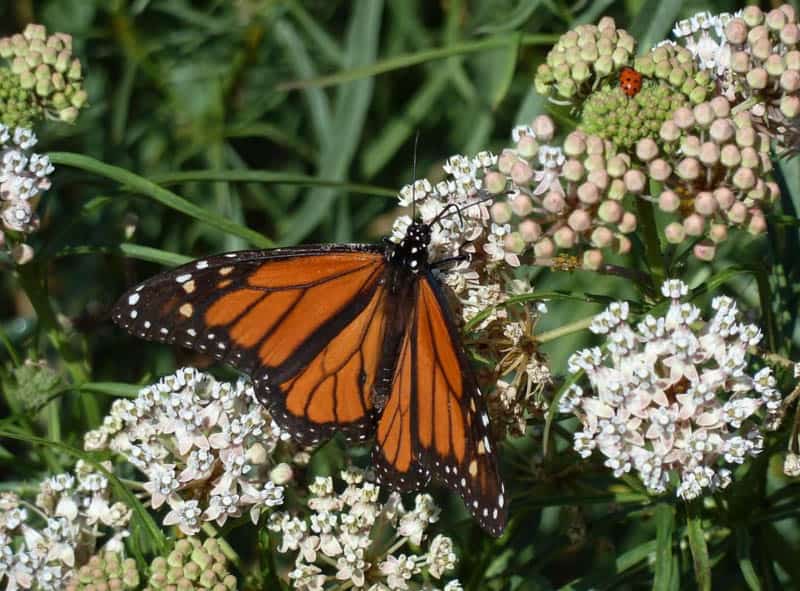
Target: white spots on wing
(225,271)
(501,500)
(189,286)
(133,299)
(186,310)
(230,255)
(494,514)
(475,503)
(221,346)
(463,482)
(140,288)
(201,265)
(485,512)
(473,468)
(147,324)
(183,278)
(134,313)
(486,444)
(481,448)
(485,419)
(191,332)
(211,336)
(164,331)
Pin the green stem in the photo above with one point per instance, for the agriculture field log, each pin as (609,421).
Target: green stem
(652,244)
(577,326)
(698,547)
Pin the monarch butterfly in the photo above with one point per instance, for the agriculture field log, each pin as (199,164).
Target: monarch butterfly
(355,338)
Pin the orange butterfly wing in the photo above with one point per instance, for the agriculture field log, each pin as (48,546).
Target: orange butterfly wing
(435,418)
(306,323)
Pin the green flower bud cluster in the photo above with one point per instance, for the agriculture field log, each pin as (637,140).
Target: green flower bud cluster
(623,120)
(106,571)
(565,199)
(192,565)
(712,165)
(18,106)
(45,68)
(582,56)
(676,66)
(765,66)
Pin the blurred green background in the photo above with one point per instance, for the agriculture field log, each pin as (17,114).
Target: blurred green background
(297,119)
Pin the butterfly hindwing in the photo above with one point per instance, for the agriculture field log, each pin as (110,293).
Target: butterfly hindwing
(435,419)
(306,323)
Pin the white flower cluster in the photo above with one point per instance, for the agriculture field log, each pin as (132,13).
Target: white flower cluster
(704,36)
(352,537)
(669,399)
(23,177)
(42,543)
(207,448)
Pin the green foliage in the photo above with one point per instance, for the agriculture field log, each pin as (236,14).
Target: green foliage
(276,122)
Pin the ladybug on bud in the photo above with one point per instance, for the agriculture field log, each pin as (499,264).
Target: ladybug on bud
(630,81)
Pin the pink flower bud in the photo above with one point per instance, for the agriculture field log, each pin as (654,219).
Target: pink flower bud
(554,202)
(758,78)
(724,197)
(610,211)
(595,162)
(703,114)
(544,249)
(623,245)
(694,225)
(527,147)
(588,193)
(674,233)
(709,153)
(529,230)
(602,237)
(790,106)
(514,242)
(659,170)
(592,260)
(544,128)
(579,220)
(744,178)
(616,166)
(521,205)
(501,212)
(575,144)
(599,178)
(736,32)
(746,137)
(688,169)
(521,172)
(628,223)
(730,156)
(573,170)
(790,34)
(740,62)
(718,233)
(758,224)
(737,213)
(506,160)
(720,106)
(646,149)
(595,145)
(774,190)
(495,182)
(668,201)
(683,118)
(635,181)
(669,131)
(721,130)
(705,251)
(564,237)
(705,204)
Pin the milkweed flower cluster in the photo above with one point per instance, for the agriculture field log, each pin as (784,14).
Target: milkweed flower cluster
(24,176)
(469,214)
(49,79)
(353,538)
(670,401)
(43,542)
(208,449)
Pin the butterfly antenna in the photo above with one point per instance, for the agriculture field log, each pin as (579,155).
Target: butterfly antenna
(414,178)
(484,198)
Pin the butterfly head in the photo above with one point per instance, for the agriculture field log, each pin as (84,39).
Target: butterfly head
(412,252)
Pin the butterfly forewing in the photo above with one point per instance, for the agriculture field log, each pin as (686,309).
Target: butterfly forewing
(435,420)
(307,324)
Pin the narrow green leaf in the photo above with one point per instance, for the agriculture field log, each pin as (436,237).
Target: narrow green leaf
(513,19)
(326,44)
(141,516)
(118,389)
(665,526)
(399,129)
(143,186)
(654,21)
(697,545)
(552,410)
(274,134)
(413,59)
(269,177)
(623,563)
(350,111)
(745,561)
(153,255)
(496,68)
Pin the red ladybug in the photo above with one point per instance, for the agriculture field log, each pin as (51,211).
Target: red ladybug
(630,81)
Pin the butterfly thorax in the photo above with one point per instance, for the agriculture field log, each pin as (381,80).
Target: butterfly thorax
(412,251)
